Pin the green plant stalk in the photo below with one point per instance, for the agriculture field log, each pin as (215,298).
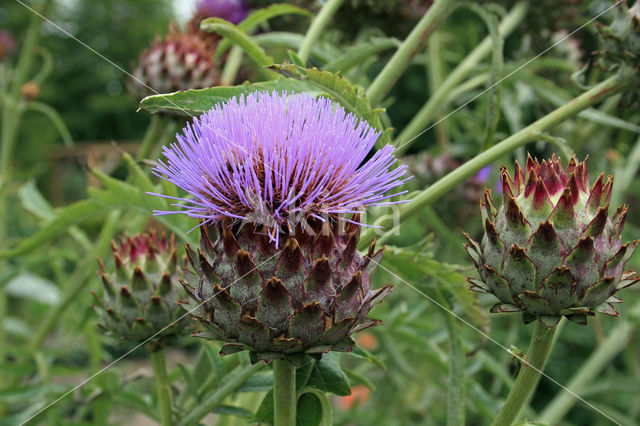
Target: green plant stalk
(436,101)
(54,118)
(284,393)
(400,60)
(163,386)
(434,71)
(11,112)
(607,88)
(317,26)
(232,381)
(456,392)
(529,374)
(154,130)
(231,66)
(588,372)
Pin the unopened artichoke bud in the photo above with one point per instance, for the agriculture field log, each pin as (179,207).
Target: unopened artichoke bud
(7,44)
(551,249)
(279,183)
(140,299)
(179,62)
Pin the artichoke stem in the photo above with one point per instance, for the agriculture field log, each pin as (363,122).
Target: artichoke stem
(529,374)
(163,387)
(284,393)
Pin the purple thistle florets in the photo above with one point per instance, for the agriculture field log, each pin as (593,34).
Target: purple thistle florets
(233,11)
(276,160)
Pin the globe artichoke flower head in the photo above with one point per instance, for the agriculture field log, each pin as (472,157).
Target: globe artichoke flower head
(279,183)
(139,301)
(551,249)
(180,61)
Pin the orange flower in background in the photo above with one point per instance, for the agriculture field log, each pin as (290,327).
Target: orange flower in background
(359,394)
(367,341)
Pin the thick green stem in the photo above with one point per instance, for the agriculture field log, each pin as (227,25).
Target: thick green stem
(399,62)
(529,374)
(284,393)
(456,393)
(588,372)
(231,382)
(440,96)
(317,26)
(607,88)
(163,387)
(154,130)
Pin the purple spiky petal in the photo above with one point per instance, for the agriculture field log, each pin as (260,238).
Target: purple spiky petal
(276,160)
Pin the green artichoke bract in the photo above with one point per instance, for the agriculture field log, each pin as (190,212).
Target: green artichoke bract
(551,249)
(140,296)
(308,297)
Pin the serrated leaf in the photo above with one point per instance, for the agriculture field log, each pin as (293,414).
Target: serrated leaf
(194,102)
(327,376)
(352,97)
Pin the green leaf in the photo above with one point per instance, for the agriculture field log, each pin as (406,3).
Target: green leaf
(415,266)
(239,37)
(337,88)
(29,286)
(120,194)
(361,353)
(313,411)
(230,410)
(258,17)
(359,379)
(257,383)
(292,41)
(35,203)
(65,217)
(192,385)
(309,410)
(327,376)
(197,101)
(355,55)
(265,413)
